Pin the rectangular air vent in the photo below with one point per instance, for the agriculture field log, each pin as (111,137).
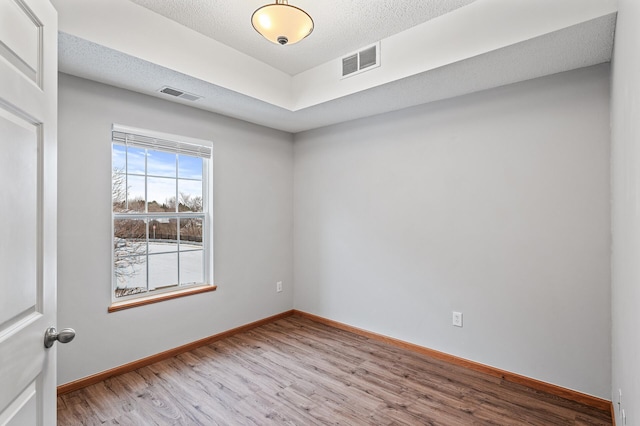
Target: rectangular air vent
(368,57)
(349,65)
(172,92)
(363,60)
(179,94)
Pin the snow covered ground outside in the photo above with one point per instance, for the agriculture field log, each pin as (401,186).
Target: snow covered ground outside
(163,266)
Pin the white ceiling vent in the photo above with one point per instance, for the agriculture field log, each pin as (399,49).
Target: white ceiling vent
(179,94)
(363,60)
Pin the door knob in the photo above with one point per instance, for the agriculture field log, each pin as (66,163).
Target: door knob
(64,336)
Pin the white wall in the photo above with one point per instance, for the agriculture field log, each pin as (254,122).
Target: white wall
(253,175)
(494,204)
(625,139)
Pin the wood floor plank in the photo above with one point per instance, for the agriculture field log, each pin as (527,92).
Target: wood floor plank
(298,372)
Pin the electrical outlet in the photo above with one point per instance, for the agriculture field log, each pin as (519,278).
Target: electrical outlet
(457,319)
(279,286)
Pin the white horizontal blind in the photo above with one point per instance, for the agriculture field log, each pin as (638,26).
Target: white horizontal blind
(142,141)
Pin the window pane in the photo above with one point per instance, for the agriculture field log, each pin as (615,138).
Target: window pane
(119,157)
(163,235)
(129,255)
(129,234)
(130,275)
(135,193)
(161,163)
(189,167)
(190,195)
(163,270)
(161,194)
(191,233)
(191,267)
(135,160)
(119,190)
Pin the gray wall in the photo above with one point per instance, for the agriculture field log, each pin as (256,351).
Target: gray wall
(253,175)
(625,139)
(494,204)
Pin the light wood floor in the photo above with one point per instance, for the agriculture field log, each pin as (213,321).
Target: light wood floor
(298,372)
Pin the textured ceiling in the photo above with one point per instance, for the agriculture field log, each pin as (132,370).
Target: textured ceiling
(574,47)
(341,27)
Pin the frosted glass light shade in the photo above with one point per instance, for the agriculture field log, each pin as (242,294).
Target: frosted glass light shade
(282,23)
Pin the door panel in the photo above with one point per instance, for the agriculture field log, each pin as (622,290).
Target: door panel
(28,127)
(19,250)
(20,35)
(23,410)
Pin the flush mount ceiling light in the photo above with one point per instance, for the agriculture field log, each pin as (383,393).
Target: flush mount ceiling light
(282,23)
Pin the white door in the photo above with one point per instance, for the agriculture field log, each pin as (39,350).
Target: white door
(28,128)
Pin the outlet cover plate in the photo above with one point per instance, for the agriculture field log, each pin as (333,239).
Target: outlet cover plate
(457,319)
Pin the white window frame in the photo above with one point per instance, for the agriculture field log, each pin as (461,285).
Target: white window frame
(166,139)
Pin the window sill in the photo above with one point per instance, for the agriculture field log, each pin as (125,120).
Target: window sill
(147,300)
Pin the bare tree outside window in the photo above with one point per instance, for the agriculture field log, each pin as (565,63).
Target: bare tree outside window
(129,238)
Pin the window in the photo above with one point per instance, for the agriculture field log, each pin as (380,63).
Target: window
(161,213)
